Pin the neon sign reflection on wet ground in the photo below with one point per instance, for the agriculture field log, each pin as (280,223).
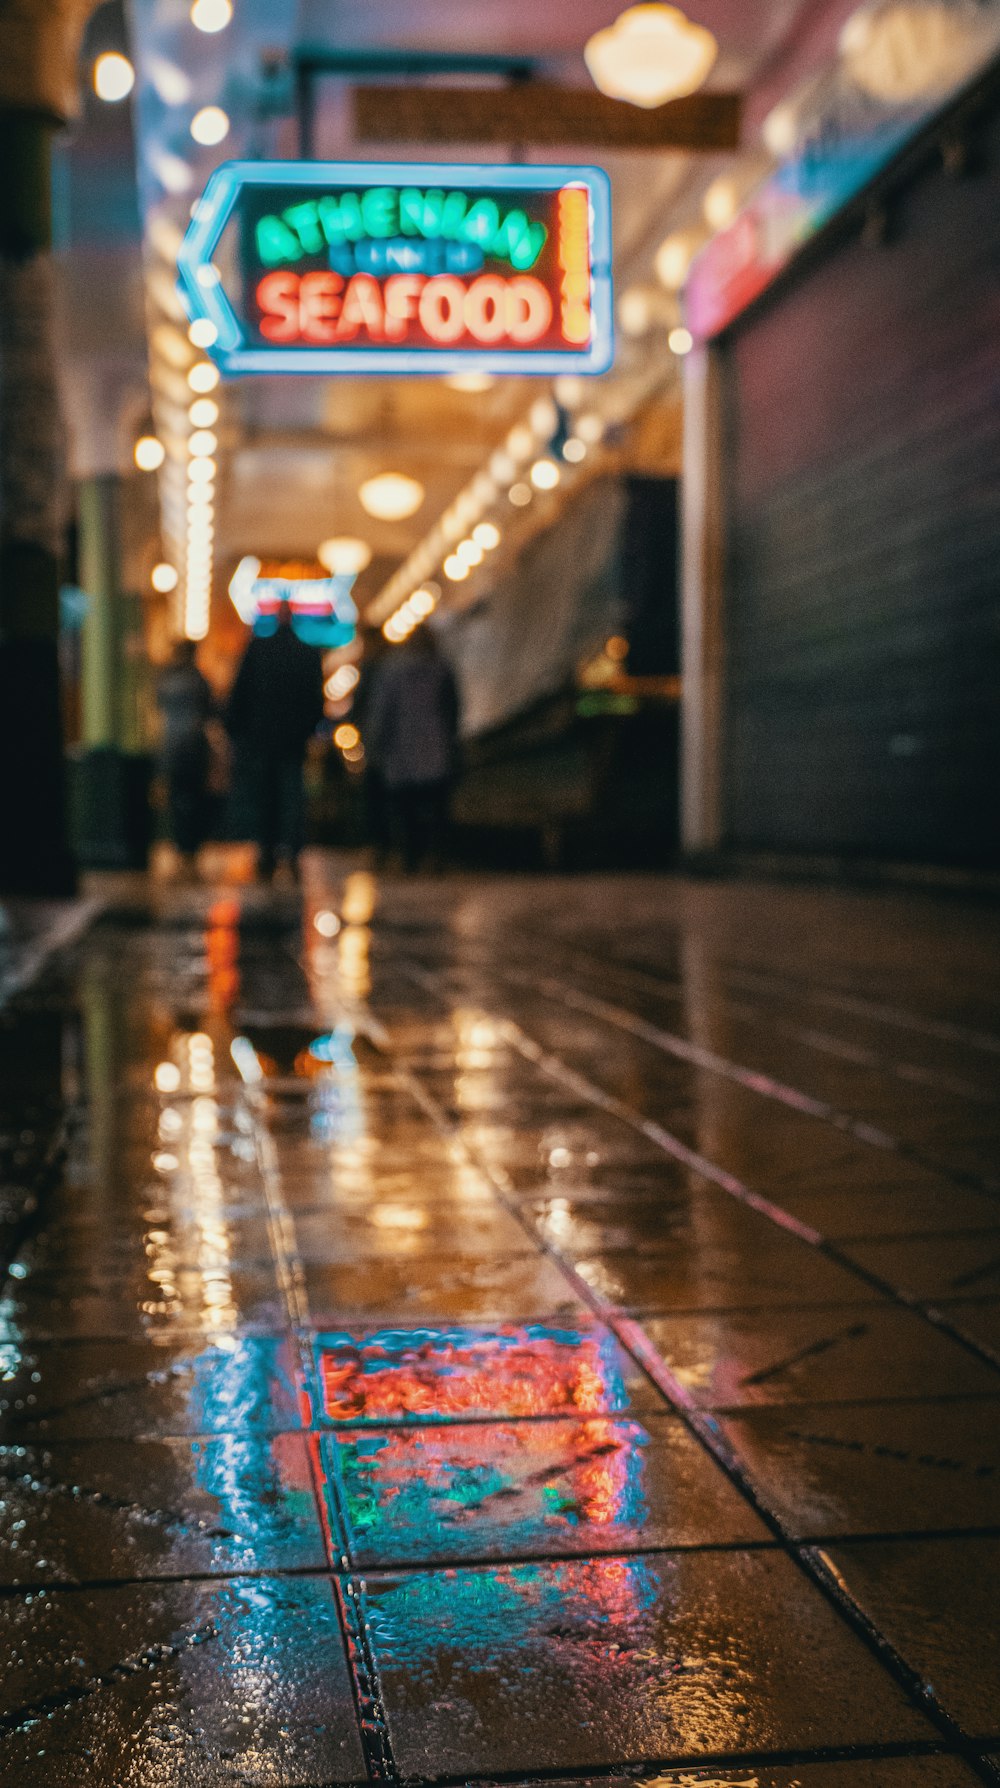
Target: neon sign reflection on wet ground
(517,1489)
(465,1374)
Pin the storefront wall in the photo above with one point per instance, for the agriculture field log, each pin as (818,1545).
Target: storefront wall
(860,410)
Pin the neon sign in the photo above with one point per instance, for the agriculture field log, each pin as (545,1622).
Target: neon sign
(383,267)
(323,613)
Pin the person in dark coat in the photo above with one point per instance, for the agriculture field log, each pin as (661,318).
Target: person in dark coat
(186,704)
(376,801)
(412,723)
(275,706)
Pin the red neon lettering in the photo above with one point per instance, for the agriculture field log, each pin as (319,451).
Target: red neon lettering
(310,308)
(402,299)
(529,309)
(362,309)
(441,308)
(278,301)
(485,308)
(319,306)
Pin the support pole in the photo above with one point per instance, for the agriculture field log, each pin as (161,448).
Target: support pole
(702,636)
(34,854)
(97,510)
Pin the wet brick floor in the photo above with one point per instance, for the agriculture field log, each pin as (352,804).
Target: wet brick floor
(505,1331)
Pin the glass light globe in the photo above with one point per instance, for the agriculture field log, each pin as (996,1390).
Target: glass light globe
(391,496)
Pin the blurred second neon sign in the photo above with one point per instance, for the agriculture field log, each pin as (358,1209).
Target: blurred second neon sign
(376,267)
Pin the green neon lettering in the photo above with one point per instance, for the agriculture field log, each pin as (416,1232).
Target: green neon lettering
(275,242)
(329,217)
(519,241)
(411,211)
(304,220)
(383,211)
(482,223)
(380,211)
(350,211)
(433,210)
(455,207)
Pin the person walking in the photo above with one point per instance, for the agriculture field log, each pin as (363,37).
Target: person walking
(275,706)
(412,722)
(184,698)
(376,802)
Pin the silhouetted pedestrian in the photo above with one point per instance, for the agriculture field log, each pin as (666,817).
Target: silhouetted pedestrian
(184,698)
(413,727)
(274,708)
(376,799)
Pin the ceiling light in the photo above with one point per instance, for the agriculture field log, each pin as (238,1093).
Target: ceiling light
(344,556)
(519,495)
(471,382)
(202,443)
(635,312)
(545,474)
(502,467)
(780,130)
(569,390)
(469,552)
(649,55)
(520,442)
(114,77)
(211,15)
(483,489)
(210,126)
(544,417)
(674,257)
(423,602)
(455,568)
(391,496)
(590,428)
(487,535)
(170,170)
(201,471)
(574,450)
(149,453)
(680,341)
(204,413)
(721,203)
(901,52)
(163,578)
(203,333)
(203,376)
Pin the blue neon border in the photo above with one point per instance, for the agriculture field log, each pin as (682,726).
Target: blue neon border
(208,300)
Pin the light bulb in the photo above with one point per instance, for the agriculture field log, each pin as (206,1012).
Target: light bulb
(202,333)
(211,15)
(545,474)
(114,77)
(149,453)
(203,376)
(210,126)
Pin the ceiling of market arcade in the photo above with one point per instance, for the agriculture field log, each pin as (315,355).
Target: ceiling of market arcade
(292,451)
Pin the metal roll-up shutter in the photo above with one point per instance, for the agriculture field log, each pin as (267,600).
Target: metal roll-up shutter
(862,416)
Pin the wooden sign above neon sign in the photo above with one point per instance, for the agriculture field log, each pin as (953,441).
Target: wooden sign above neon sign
(382,267)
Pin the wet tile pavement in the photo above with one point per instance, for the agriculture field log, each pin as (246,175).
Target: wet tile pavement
(511,1331)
